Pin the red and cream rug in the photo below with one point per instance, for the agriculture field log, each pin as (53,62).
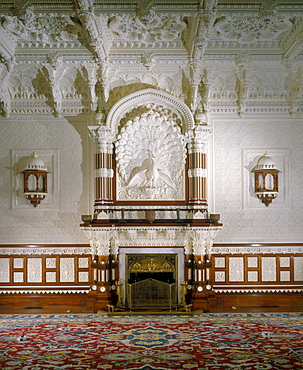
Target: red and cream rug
(208,341)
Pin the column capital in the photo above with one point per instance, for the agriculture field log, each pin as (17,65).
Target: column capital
(102,136)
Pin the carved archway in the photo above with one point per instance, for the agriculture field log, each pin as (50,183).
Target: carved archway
(150,96)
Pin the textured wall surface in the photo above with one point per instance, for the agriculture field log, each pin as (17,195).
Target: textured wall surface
(41,225)
(244,217)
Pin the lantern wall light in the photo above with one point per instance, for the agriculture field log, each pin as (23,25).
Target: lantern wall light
(35,179)
(266,179)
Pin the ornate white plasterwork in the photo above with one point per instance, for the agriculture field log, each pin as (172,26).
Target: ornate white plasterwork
(247,29)
(151,154)
(169,236)
(257,249)
(147,28)
(45,291)
(150,96)
(41,28)
(36,250)
(277,290)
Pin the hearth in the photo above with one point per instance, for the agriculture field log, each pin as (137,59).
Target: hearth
(151,282)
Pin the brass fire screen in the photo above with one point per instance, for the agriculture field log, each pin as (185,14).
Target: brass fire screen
(151,295)
(151,282)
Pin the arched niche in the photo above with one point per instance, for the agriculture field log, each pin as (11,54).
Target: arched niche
(145,97)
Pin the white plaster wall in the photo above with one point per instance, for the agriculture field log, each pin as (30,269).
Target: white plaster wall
(279,222)
(37,225)
(241,224)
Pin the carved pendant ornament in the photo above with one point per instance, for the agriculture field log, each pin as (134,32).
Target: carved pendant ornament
(150,153)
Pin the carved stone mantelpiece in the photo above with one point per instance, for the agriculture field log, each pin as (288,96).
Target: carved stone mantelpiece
(162,236)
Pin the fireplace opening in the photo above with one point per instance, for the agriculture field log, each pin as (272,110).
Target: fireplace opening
(151,282)
(165,277)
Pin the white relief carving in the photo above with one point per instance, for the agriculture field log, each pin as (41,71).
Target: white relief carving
(248,29)
(132,234)
(219,276)
(18,277)
(99,241)
(45,251)
(269,269)
(298,268)
(150,158)
(50,276)
(219,262)
(199,247)
(34,270)
(188,248)
(46,291)
(170,234)
(41,28)
(50,263)
(147,29)
(284,261)
(252,276)
(258,249)
(252,262)
(284,275)
(151,234)
(18,263)
(67,270)
(83,277)
(83,262)
(163,236)
(236,269)
(262,290)
(4,270)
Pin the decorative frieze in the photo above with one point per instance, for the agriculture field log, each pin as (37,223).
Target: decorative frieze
(196,240)
(50,290)
(257,249)
(49,250)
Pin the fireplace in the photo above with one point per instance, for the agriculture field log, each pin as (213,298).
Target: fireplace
(151,295)
(151,281)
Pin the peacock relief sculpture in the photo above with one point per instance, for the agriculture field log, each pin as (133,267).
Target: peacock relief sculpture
(150,153)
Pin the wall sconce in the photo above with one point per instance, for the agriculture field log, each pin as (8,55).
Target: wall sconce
(266,179)
(35,180)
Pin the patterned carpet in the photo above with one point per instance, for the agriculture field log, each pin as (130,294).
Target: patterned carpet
(207,341)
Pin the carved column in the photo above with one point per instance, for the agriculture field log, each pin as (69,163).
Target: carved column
(100,270)
(104,172)
(204,297)
(197,172)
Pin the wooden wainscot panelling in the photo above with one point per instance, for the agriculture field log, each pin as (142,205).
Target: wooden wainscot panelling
(44,278)
(263,280)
